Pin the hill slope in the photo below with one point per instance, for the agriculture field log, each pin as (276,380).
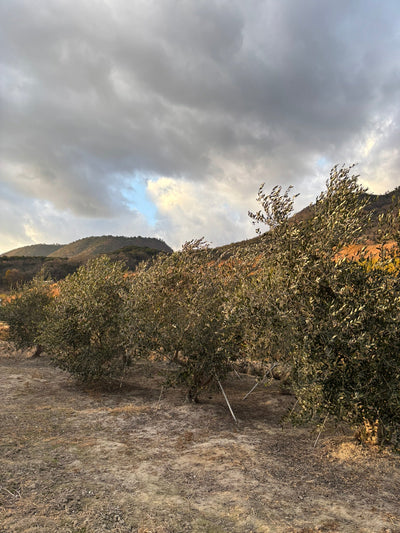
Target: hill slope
(58,260)
(92,246)
(34,250)
(88,247)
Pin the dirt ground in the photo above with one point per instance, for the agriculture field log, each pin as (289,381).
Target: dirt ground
(140,459)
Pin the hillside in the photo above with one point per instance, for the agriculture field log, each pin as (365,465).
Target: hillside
(133,255)
(16,270)
(91,246)
(34,250)
(88,247)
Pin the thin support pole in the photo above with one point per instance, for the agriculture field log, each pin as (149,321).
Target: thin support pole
(227,401)
(321,430)
(293,408)
(251,390)
(262,381)
(237,373)
(161,393)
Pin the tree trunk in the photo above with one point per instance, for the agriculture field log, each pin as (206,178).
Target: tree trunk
(37,352)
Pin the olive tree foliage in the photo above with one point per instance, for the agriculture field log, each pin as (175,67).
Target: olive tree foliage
(339,319)
(389,228)
(291,262)
(175,311)
(349,364)
(257,310)
(83,329)
(25,310)
(259,303)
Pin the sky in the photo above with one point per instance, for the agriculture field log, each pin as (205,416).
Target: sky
(163,117)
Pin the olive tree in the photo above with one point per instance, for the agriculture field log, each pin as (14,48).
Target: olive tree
(349,364)
(341,317)
(175,310)
(83,329)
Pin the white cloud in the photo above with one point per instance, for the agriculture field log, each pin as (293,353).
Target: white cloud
(210,209)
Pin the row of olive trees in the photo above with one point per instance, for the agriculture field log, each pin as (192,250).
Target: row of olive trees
(97,321)
(334,323)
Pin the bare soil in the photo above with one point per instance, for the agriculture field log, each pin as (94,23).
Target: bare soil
(140,459)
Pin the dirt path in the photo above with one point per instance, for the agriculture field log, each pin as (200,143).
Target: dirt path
(80,461)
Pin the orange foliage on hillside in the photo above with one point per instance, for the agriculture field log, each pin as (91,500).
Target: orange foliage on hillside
(367,251)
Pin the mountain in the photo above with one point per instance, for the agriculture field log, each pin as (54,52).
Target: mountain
(34,250)
(91,246)
(84,249)
(22,264)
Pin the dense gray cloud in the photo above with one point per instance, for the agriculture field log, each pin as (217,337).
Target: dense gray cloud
(200,99)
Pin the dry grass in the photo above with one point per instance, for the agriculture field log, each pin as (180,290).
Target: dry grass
(86,461)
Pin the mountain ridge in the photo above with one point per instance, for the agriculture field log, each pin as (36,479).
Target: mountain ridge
(87,247)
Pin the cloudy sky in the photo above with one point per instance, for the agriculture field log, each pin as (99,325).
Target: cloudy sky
(163,117)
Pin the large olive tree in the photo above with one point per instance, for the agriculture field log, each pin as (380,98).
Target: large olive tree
(341,317)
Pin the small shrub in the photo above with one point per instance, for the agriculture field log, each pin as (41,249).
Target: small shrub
(25,310)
